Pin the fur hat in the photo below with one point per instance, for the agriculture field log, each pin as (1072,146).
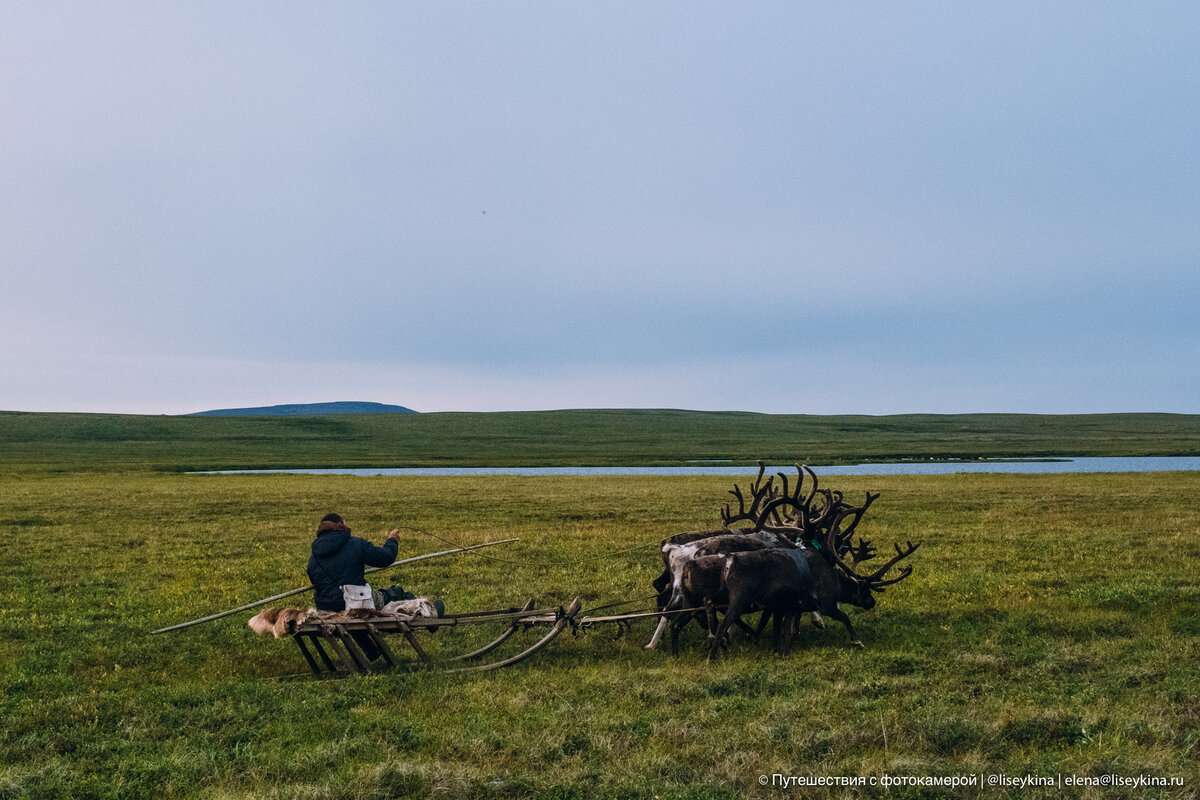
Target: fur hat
(332,522)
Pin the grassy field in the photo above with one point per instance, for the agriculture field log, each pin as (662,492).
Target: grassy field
(569,438)
(1050,627)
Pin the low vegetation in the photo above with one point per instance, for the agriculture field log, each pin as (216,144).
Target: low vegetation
(1049,627)
(569,438)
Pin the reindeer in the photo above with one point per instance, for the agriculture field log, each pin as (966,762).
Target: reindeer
(678,550)
(679,556)
(779,518)
(789,581)
(702,584)
(761,493)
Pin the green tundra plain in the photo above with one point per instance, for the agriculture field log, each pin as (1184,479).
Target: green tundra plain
(1050,627)
(571,438)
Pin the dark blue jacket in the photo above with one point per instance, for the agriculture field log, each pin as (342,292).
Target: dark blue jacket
(339,558)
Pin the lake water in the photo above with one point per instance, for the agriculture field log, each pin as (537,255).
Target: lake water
(1113,464)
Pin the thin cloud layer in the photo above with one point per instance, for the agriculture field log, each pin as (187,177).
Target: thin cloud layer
(785,209)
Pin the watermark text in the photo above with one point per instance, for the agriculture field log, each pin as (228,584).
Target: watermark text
(780,780)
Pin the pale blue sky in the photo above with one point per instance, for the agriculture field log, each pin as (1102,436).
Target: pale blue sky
(781,207)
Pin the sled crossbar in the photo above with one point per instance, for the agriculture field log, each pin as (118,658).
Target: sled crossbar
(346,639)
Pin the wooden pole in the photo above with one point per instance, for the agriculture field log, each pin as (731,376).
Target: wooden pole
(291,592)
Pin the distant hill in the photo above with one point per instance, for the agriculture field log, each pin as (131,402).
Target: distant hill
(306,408)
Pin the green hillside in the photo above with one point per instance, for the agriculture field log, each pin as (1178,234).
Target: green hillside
(569,438)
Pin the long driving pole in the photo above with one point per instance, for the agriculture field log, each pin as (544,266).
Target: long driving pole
(309,587)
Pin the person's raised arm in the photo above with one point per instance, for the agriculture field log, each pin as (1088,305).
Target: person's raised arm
(382,556)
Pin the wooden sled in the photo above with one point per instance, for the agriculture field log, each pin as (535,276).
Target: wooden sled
(348,657)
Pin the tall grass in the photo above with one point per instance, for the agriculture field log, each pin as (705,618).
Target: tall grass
(1050,626)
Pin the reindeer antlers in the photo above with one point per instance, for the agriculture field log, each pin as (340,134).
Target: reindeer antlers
(759,491)
(838,542)
(786,514)
(875,577)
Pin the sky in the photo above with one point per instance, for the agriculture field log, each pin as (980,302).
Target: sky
(859,208)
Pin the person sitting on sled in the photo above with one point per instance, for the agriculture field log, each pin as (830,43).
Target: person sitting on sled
(337,568)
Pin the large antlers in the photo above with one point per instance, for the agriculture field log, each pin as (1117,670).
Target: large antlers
(777,508)
(875,579)
(801,519)
(842,544)
(792,517)
(760,493)
(864,551)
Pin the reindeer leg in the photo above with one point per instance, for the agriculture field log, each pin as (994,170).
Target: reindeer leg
(732,614)
(714,649)
(710,615)
(763,619)
(658,632)
(789,630)
(784,629)
(840,616)
(751,632)
(676,626)
(672,600)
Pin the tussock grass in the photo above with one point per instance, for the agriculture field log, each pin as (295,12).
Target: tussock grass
(1050,626)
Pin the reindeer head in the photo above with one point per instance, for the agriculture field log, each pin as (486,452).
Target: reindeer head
(854,590)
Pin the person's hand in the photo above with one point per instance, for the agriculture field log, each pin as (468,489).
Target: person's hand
(395,534)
